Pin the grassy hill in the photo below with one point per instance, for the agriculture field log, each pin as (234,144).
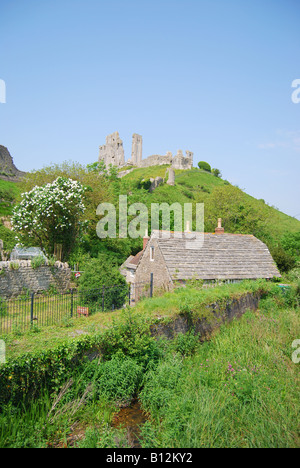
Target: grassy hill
(240,212)
(231,203)
(9,193)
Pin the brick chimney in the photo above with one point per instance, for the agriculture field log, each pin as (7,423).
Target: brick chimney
(187,228)
(219,229)
(145,239)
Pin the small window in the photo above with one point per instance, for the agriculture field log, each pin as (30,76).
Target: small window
(151,254)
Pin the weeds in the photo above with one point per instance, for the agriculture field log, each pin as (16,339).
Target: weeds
(237,390)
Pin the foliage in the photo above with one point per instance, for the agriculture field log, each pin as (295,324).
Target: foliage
(284,260)
(118,379)
(216,172)
(98,166)
(291,243)
(102,273)
(50,215)
(38,261)
(8,237)
(9,194)
(204,166)
(185,344)
(237,390)
(160,383)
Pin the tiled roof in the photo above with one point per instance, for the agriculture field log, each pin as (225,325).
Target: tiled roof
(222,256)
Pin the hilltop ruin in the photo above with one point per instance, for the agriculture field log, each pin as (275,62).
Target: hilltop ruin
(113,153)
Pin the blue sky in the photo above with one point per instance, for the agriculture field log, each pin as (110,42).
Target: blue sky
(210,76)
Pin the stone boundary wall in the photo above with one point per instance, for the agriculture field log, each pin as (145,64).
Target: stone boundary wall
(19,276)
(215,316)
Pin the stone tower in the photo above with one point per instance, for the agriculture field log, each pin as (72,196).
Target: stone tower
(113,151)
(137,150)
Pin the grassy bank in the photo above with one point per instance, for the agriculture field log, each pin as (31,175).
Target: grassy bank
(159,309)
(237,390)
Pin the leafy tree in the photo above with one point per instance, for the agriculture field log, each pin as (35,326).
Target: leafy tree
(99,189)
(98,166)
(102,275)
(238,214)
(50,215)
(216,172)
(284,260)
(204,165)
(291,243)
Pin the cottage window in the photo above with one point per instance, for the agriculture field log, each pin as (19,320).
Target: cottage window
(151,254)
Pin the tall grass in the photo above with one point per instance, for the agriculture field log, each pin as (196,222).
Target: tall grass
(238,390)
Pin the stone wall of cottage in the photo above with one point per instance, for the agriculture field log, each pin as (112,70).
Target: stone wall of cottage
(16,277)
(157,266)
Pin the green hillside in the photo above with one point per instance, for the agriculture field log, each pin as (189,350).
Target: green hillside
(9,193)
(240,212)
(232,204)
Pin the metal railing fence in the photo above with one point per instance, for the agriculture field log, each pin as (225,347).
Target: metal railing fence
(24,312)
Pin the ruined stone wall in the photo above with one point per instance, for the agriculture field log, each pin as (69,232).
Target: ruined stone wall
(177,162)
(183,162)
(113,151)
(156,160)
(137,150)
(19,276)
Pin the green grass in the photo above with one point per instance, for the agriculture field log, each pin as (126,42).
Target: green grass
(199,185)
(61,419)
(238,390)
(163,308)
(9,194)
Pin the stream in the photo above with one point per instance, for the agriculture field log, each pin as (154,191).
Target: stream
(131,417)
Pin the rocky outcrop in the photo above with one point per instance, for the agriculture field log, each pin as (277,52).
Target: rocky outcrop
(7,168)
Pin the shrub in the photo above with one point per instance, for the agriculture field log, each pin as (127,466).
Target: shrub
(101,275)
(185,343)
(160,383)
(50,215)
(118,379)
(216,172)
(38,261)
(8,237)
(204,165)
(284,260)
(291,243)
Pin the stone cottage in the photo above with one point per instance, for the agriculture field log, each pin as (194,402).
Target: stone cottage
(221,256)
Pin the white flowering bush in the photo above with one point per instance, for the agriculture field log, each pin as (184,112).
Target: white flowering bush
(51,214)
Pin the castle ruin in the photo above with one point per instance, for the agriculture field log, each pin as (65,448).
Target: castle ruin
(113,153)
